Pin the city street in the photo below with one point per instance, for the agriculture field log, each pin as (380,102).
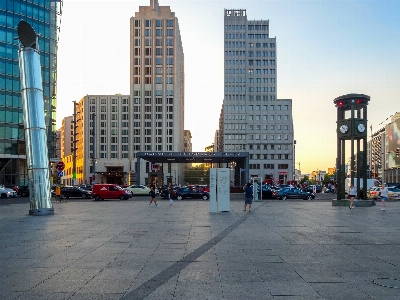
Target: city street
(290,249)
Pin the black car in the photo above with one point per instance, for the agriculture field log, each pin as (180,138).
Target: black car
(23,191)
(75,192)
(164,192)
(186,192)
(268,191)
(293,193)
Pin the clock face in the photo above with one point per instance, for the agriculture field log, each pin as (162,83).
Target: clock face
(344,128)
(361,127)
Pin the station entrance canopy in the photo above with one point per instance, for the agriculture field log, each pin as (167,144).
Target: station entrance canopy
(240,159)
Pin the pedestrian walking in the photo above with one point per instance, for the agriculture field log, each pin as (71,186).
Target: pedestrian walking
(153,195)
(384,196)
(352,195)
(170,193)
(248,191)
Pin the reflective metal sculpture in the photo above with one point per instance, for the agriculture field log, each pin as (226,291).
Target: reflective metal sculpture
(34,122)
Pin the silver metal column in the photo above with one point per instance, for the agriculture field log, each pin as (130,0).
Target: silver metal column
(34,122)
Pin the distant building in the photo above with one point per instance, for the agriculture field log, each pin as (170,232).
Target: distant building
(252,118)
(67,136)
(209,148)
(187,141)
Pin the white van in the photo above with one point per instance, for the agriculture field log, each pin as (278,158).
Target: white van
(370,183)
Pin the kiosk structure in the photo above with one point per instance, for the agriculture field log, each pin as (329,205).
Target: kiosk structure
(220,190)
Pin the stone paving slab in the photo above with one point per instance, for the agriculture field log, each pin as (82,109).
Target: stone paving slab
(130,250)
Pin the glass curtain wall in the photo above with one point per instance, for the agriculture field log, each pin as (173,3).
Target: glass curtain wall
(45,17)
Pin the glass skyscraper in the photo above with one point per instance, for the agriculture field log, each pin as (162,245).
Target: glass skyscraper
(44,16)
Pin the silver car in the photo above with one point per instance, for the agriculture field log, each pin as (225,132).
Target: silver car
(7,193)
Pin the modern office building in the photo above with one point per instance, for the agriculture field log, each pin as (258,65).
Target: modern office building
(253,119)
(44,16)
(157,82)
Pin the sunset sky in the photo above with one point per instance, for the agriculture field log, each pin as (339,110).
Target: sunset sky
(325,49)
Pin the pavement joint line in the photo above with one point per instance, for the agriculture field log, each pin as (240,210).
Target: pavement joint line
(158,280)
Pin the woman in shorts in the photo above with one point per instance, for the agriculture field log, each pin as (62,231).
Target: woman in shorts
(352,195)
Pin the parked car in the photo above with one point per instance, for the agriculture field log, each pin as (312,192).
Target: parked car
(393,192)
(7,193)
(293,193)
(87,187)
(12,186)
(109,191)
(310,189)
(374,193)
(140,190)
(164,193)
(127,191)
(74,192)
(268,191)
(23,191)
(205,188)
(186,192)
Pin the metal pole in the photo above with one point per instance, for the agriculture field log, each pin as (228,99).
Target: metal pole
(37,159)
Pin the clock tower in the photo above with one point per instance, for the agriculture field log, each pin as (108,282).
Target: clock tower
(351,125)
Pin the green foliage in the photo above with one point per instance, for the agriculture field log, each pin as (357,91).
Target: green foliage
(304,179)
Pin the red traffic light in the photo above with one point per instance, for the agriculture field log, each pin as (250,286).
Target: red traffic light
(340,104)
(359,101)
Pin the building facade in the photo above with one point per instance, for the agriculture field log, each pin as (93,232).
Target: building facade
(44,16)
(157,82)
(106,143)
(67,136)
(253,119)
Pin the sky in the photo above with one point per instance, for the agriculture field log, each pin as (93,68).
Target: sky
(325,49)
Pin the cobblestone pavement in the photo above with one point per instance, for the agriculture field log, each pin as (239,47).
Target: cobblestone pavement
(129,250)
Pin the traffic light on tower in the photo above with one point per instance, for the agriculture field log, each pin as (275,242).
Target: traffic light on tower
(398,152)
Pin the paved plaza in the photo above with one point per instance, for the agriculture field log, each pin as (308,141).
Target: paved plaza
(290,249)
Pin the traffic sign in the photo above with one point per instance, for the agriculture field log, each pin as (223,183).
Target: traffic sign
(60,174)
(60,166)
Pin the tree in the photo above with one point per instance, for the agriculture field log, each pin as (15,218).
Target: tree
(304,179)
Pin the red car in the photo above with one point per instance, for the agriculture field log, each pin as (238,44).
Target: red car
(204,188)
